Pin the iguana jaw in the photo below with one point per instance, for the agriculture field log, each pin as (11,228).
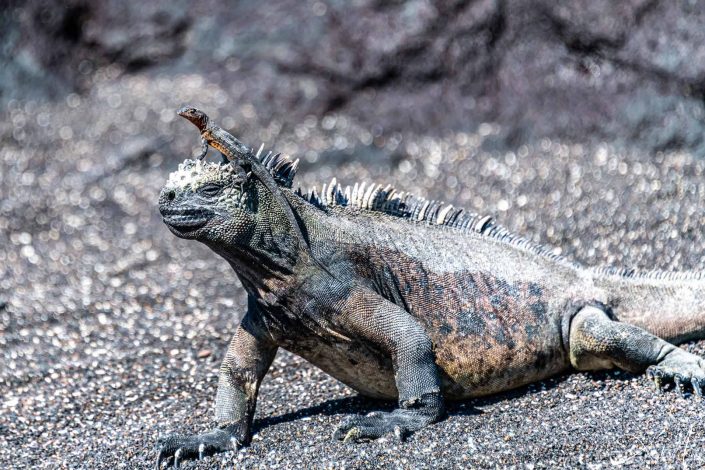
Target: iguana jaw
(186,222)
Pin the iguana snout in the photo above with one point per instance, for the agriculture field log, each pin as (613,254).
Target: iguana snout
(184,214)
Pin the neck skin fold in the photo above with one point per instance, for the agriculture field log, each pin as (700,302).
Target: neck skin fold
(271,254)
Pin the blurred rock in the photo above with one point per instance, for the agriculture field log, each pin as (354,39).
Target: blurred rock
(627,72)
(54,46)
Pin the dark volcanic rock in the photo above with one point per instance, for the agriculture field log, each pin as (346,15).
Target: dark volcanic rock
(46,41)
(627,72)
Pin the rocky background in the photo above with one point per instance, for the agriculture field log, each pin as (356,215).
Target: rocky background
(579,123)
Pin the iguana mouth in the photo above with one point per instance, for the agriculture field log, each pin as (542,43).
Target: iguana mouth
(186,219)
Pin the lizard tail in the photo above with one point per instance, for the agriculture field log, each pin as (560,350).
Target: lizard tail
(668,305)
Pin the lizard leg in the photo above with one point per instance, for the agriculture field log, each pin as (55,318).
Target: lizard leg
(394,331)
(239,170)
(246,362)
(598,342)
(204,149)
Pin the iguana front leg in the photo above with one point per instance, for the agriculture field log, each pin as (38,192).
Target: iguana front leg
(246,362)
(395,332)
(598,342)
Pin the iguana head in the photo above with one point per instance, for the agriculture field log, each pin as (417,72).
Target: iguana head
(205,201)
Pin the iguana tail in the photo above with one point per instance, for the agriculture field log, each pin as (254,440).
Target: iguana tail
(669,305)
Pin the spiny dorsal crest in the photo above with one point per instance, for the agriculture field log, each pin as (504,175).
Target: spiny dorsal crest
(281,167)
(387,200)
(195,172)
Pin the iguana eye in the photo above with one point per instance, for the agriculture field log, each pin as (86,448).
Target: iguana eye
(210,190)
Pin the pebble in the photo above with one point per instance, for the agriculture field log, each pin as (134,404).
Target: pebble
(204,353)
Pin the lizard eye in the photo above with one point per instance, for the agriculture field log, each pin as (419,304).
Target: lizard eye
(210,190)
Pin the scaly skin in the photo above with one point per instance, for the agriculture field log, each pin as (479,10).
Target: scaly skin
(416,303)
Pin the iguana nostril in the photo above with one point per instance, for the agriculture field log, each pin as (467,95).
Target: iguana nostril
(171,195)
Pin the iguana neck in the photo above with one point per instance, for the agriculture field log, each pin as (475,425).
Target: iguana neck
(272,253)
(257,264)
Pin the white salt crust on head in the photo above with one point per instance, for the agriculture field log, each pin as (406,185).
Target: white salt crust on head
(192,174)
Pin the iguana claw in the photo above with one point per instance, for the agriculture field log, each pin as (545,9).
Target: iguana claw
(177,457)
(656,377)
(399,434)
(684,370)
(678,381)
(351,435)
(177,448)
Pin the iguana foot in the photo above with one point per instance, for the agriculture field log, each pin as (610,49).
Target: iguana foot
(681,368)
(400,423)
(178,448)
(413,415)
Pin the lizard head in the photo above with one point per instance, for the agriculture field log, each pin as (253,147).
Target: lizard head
(205,201)
(195,115)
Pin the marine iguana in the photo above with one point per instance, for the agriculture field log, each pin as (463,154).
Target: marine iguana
(420,301)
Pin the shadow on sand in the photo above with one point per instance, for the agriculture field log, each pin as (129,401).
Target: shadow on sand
(359,404)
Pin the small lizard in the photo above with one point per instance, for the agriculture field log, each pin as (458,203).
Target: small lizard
(242,159)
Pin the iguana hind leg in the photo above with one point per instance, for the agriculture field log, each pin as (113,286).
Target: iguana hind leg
(248,358)
(598,342)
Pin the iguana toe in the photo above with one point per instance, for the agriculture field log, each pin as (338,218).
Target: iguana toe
(656,376)
(684,370)
(177,448)
(177,457)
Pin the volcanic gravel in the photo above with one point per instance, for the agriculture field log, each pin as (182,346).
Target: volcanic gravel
(112,329)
